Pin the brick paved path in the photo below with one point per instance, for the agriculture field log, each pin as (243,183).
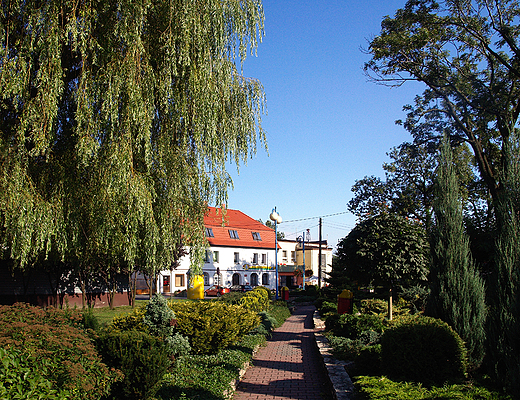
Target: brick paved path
(289,366)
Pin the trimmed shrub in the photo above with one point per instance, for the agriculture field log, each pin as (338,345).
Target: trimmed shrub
(144,359)
(267,291)
(352,325)
(211,326)
(328,307)
(425,350)
(133,320)
(61,351)
(368,361)
(256,300)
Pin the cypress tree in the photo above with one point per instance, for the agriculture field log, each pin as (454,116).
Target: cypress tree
(457,290)
(504,321)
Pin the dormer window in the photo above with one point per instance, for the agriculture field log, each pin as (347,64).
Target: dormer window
(209,232)
(256,236)
(233,234)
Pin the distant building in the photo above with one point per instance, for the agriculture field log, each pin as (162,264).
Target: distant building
(290,262)
(241,249)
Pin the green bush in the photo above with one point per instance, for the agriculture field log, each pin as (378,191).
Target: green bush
(159,318)
(423,350)
(328,307)
(279,311)
(144,359)
(345,348)
(368,361)
(256,300)
(24,377)
(352,325)
(382,388)
(208,377)
(133,320)
(211,326)
(267,324)
(267,291)
(61,350)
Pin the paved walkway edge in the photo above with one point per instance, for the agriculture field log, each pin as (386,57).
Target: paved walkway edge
(343,387)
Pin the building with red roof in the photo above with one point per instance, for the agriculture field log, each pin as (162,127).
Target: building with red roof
(241,251)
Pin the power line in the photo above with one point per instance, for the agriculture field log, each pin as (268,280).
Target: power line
(322,216)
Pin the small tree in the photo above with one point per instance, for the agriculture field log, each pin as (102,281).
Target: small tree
(457,291)
(382,250)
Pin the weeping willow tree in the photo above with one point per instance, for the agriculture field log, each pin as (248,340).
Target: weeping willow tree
(117,122)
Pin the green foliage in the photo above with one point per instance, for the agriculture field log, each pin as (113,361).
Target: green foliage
(267,324)
(384,248)
(457,290)
(211,326)
(416,296)
(178,345)
(159,318)
(368,361)
(142,358)
(24,377)
(208,377)
(327,308)
(382,388)
(267,291)
(423,350)
(256,300)
(352,325)
(61,352)
(504,321)
(112,115)
(279,311)
(132,320)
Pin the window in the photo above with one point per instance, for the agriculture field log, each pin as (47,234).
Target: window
(284,255)
(264,259)
(256,235)
(179,280)
(233,234)
(293,256)
(255,258)
(215,256)
(206,279)
(265,279)
(209,232)
(237,258)
(254,279)
(207,257)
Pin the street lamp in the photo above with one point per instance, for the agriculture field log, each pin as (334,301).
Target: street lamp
(301,240)
(277,220)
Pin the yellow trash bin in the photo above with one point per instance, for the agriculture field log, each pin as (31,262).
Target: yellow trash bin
(197,290)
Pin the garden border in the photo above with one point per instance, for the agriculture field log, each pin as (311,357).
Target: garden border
(343,388)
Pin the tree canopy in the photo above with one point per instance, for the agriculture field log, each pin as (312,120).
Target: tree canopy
(382,249)
(117,120)
(466,53)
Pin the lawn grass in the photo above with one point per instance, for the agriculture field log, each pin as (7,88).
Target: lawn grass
(105,315)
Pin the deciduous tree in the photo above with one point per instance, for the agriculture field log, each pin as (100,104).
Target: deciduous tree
(384,250)
(117,120)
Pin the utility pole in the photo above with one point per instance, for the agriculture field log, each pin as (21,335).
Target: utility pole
(319,259)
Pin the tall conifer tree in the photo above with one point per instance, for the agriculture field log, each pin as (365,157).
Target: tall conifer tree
(457,290)
(117,120)
(504,294)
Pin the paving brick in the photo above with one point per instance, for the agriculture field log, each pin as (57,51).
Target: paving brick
(290,366)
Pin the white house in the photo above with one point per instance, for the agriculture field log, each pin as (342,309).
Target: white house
(241,251)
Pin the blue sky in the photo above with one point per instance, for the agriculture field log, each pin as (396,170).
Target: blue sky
(326,125)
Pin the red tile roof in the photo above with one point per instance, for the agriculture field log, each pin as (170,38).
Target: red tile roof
(242,224)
